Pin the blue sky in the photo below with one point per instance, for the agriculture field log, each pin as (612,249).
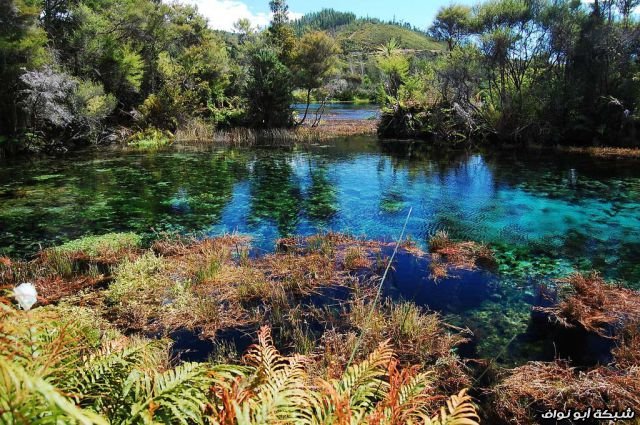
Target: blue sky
(223,13)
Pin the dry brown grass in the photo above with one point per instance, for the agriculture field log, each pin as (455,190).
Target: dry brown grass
(416,335)
(595,151)
(213,285)
(53,289)
(327,130)
(627,353)
(528,391)
(536,387)
(595,305)
(446,253)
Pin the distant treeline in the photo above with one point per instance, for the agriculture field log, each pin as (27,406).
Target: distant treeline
(75,72)
(330,19)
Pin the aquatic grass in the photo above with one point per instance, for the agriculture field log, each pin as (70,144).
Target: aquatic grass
(195,130)
(467,255)
(60,263)
(53,289)
(530,390)
(211,265)
(134,280)
(594,151)
(279,137)
(356,258)
(597,307)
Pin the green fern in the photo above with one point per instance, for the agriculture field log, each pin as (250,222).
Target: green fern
(278,389)
(459,411)
(55,370)
(25,399)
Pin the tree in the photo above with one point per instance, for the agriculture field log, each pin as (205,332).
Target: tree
(452,25)
(22,46)
(394,65)
(59,106)
(281,34)
(268,90)
(314,61)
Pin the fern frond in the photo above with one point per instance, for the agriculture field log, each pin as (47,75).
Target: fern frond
(103,372)
(364,381)
(264,356)
(459,411)
(284,397)
(28,399)
(350,398)
(177,395)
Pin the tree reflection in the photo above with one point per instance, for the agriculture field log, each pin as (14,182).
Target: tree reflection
(275,193)
(322,196)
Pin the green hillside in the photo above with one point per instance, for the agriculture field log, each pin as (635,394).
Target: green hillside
(364,34)
(367,36)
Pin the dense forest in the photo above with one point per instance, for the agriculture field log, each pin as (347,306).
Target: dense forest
(556,72)
(77,72)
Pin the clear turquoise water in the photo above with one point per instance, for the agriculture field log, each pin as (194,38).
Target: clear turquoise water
(545,215)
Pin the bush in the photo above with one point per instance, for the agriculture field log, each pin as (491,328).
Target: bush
(150,140)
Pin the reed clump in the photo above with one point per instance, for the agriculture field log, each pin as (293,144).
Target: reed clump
(532,389)
(201,133)
(597,307)
(447,253)
(593,304)
(110,248)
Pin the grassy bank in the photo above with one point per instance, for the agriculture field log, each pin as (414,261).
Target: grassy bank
(108,308)
(305,134)
(326,349)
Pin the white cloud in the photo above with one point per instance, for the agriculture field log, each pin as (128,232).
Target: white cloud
(222,14)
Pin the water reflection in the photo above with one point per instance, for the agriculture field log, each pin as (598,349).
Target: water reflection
(545,215)
(276,194)
(321,201)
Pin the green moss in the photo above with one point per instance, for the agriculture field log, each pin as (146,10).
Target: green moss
(99,246)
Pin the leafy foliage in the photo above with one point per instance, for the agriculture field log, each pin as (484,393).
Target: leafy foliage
(276,389)
(268,90)
(556,72)
(54,367)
